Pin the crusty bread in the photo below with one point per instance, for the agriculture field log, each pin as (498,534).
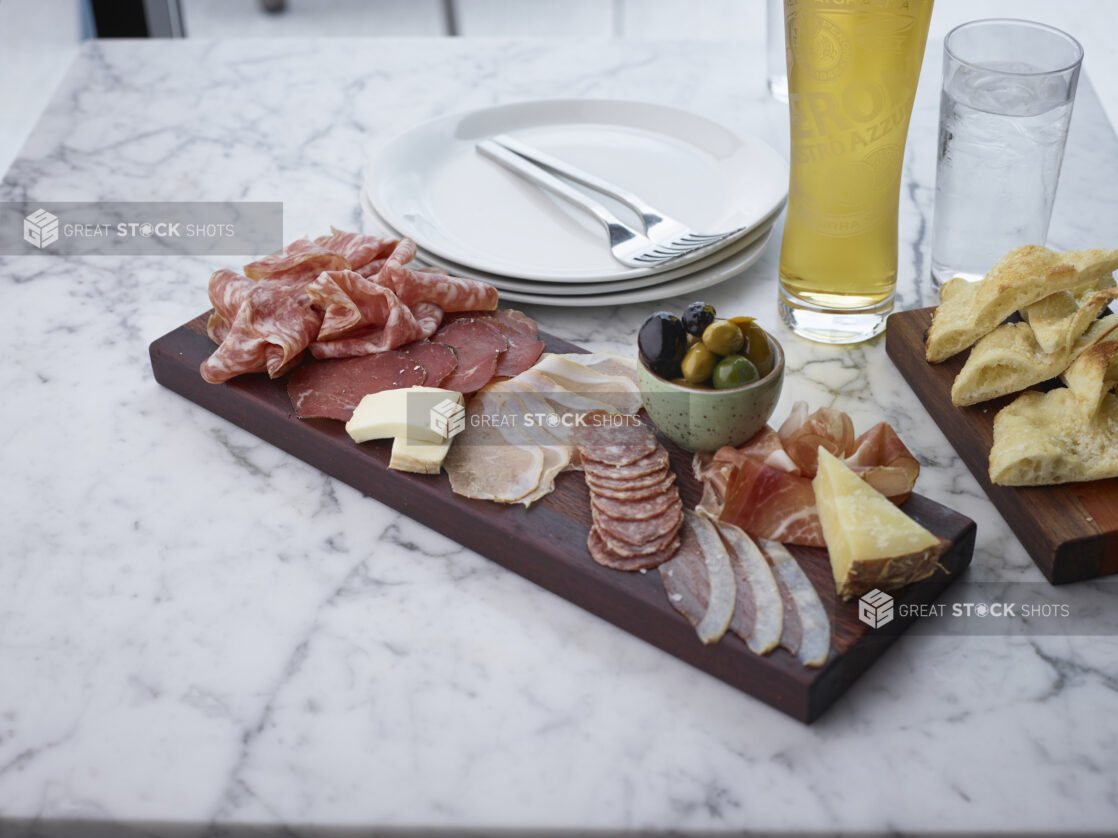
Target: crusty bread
(1093,374)
(1009,359)
(1041,439)
(1060,318)
(1025,275)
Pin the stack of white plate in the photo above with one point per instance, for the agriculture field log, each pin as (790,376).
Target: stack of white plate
(473,218)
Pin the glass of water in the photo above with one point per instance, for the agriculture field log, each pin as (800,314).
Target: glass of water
(1008,89)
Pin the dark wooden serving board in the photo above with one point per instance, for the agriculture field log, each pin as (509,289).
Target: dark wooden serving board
(547,543)
(1070,530)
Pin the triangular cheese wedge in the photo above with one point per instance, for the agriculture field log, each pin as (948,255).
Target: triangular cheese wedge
(872,543)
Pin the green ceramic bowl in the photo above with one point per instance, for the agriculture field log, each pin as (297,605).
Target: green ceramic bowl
(702,419)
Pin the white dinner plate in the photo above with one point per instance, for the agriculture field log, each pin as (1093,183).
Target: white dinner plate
(567,289)
(729,267)
(431,184)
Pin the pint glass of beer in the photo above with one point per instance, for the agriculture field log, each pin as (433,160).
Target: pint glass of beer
(852,72)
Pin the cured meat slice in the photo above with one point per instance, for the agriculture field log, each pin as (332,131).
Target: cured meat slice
(769,503)
(815,628)
(633,508)
(522,353)
(438,359)
(603,555)
(358,249)
(616,391)
(506,319)
(614,440)
(883,461)
(300,260)
(759,611)
(398,326)
(655,462)
(450,293)
(271,329)
(802,435)
(640,531)
(699,580)
(479,346)
(228,290)
(627,492)
(483,464)
(332,389)
(598,483)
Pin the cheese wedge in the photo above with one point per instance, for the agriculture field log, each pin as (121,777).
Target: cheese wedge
(872,544)
(418,457)
(415,414)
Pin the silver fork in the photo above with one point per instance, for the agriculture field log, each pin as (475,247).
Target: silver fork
(628,246)
(658,226)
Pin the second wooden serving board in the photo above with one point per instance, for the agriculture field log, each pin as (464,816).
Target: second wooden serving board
(1070,530)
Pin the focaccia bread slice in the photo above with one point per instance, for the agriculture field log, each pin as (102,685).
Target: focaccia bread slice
(1093,374)
(1009,359)
(1025,275)
(1041,439)
(1060,318)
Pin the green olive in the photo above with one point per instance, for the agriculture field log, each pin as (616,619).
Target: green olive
(733,371)
(698,363)
(723,337)
(757,348)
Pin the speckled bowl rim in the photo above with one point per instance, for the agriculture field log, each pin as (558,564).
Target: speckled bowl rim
(778,368)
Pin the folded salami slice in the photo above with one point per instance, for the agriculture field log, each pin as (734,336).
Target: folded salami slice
(300,260)
(332,389)
(479,346)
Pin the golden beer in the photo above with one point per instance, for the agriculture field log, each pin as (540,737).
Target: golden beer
(853,66)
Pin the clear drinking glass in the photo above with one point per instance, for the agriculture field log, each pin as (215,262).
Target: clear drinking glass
(774,50)
(1008,90)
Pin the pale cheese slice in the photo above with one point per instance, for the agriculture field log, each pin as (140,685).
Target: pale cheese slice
(872,543)
(418,457)
(1025,275)
(405,412)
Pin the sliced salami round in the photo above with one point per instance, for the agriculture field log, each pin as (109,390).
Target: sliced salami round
(640,531)
(632,509)
(649,464)
(439,359)
(623,548)
(603,555)
(630,492)
(614,440)
(479,346)
(595,481)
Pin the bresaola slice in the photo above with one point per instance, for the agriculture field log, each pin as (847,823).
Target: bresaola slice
(479,346)
(333,389)
(438,359)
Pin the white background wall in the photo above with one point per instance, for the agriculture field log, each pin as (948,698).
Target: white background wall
(38,37)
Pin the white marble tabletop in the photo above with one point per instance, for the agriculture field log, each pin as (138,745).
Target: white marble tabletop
(200,632)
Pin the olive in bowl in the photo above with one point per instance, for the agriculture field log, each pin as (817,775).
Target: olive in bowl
(705,418)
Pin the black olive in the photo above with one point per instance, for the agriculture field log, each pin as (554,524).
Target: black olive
(697,316)
(662,343)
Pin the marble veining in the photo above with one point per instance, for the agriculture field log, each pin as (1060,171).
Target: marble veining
(198,629)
